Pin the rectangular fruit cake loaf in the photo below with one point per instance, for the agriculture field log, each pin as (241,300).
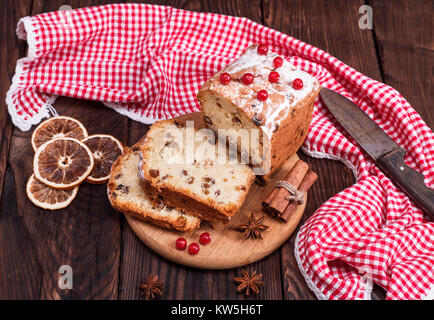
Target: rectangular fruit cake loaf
(127,196)
(260,90)
(187,170)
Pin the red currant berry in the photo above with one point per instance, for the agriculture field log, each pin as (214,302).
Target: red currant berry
(247,78)
(262,95)
(297,84)
(273,77)
(277,62)
(193,248)
(204,238)
(225,78)
(262,49)
(181,244)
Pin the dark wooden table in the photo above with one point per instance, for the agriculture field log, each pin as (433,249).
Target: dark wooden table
(108,260)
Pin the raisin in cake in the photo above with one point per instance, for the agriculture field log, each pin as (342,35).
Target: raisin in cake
(260,90)
(188,170)
(127,196)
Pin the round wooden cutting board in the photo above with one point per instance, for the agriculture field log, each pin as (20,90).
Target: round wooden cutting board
(227,248)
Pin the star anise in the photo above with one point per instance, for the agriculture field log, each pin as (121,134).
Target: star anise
(249,283)
(253,229)
(151,288)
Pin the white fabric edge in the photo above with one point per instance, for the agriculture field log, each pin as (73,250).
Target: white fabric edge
(134,116)
(307,278)
(44,111)
(20,30)
(26,31)
(322,155)
(369,286)
(429,295)
(129,113)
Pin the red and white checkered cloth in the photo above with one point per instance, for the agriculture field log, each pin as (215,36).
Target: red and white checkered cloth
(148,62)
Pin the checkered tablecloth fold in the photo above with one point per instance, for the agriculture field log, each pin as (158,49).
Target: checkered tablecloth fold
(148,62)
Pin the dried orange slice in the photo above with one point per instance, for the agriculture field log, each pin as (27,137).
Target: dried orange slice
(105,150)
(62,163)
(57,127)
(49,198)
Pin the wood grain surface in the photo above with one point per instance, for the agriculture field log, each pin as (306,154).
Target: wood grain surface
(108,259)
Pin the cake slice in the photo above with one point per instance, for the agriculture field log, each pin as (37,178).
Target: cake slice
(126,195)
(190,170)
(266,97)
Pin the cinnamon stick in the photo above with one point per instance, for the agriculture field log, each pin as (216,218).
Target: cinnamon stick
(305,185)
(277,201)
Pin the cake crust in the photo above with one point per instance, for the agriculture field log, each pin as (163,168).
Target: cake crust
(144,208)
(182,197)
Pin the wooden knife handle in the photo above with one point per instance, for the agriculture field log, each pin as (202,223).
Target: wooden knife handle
(408,179)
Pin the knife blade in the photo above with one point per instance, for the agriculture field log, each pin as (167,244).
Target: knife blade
(388,155)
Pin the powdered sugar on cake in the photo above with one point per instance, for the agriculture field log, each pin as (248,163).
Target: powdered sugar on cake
(282,97)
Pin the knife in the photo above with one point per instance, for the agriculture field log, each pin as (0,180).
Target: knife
(386,153)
